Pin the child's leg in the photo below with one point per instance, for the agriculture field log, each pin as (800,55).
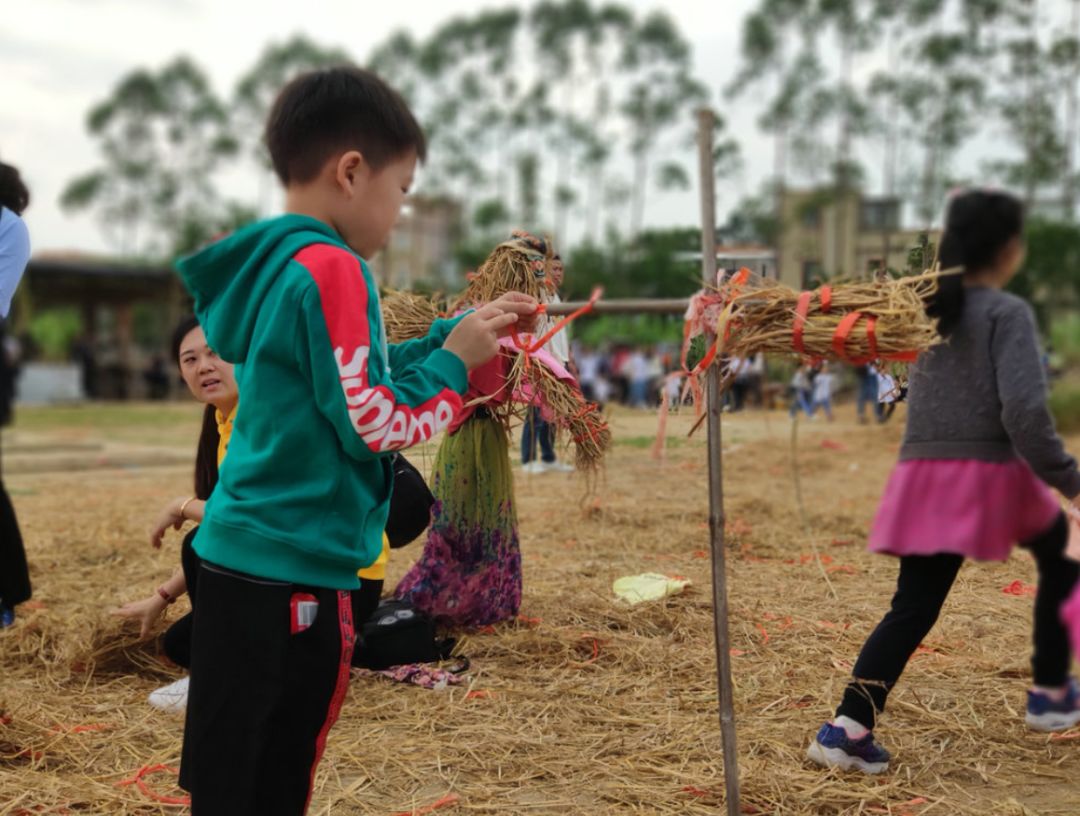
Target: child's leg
(1057,579)
(546,432)
(262,697)
(921,589)
(526,437)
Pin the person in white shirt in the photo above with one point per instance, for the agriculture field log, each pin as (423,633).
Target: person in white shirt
(536,432)
(801,391)
(823,391)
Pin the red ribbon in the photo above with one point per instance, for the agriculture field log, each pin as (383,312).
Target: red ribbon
(538,344)
(826,297)
(146,770)
(802,308)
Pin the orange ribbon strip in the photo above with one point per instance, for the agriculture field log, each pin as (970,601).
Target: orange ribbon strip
(539,343)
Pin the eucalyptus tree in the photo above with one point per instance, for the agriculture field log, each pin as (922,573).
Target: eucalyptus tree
(161,135)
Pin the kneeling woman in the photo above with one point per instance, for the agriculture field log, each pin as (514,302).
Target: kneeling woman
(210,380)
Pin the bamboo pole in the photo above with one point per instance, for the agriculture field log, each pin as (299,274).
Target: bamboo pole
(716,478)
(623,306)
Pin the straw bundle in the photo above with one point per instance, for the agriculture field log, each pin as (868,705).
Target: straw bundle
(583,421)
(407,315)
(886,319)
(522,264)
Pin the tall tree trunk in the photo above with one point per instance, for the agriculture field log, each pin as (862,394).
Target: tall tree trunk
(780,166)
(1068,181)
(1029,109)
(843,151)
(637,196)
(888,176)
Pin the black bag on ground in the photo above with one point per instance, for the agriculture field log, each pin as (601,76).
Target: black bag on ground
(398,634)
(410,504)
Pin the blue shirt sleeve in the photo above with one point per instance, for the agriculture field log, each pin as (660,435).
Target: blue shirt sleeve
(14,255)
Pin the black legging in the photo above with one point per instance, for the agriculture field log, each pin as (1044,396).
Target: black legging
(177,640)
(14,573)
(921,588)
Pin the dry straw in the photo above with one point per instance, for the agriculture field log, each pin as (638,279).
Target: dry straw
(514,266)
(591,708)
(891,320)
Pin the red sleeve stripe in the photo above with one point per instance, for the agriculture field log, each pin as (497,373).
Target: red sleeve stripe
(375,413)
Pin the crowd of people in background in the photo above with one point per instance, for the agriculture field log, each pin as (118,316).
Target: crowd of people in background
(643,376)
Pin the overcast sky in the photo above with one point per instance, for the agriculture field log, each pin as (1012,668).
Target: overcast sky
(59,57)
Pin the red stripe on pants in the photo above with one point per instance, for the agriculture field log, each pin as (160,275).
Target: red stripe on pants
(348,638)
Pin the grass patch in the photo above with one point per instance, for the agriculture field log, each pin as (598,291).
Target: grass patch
(643,442)
(136,422)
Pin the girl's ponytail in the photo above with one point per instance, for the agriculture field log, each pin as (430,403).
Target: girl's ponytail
(978,225)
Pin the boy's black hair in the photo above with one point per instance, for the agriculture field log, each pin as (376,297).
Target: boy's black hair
(978,225)
(206,467)
(324,112)
(13,192)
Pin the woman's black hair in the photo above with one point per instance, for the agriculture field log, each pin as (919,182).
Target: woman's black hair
(978,225)
(13,192)
(206,467)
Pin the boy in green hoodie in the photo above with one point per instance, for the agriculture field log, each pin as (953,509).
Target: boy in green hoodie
(302,501)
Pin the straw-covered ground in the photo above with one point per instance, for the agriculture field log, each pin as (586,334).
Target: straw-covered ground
(583,706)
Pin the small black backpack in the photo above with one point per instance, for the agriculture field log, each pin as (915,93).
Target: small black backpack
(398,634)
(410,504)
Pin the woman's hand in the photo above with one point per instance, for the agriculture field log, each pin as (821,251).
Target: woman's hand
(171,516)
(145,612)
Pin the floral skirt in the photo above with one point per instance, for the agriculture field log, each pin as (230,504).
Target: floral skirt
(470,571)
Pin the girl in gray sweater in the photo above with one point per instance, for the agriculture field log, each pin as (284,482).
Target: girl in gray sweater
(980,455)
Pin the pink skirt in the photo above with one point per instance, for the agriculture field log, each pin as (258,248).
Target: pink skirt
(964,506)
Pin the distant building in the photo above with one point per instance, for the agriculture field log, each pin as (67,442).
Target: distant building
(421,245)
(108,297)
(849,236)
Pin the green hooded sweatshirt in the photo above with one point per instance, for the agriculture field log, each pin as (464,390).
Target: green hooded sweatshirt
(304,493)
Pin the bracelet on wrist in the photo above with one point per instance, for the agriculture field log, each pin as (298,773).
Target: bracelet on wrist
(183,507)
(164,593)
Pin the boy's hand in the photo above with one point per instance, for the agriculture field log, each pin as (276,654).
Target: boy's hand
(524,306)
(475,339)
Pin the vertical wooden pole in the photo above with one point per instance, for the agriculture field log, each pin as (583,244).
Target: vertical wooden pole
(716,478)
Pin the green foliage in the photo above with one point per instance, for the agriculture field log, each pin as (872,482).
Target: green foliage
(1065,406)
(634,330)
(1065,339)
(655,265)
(1050,277)
(54,331)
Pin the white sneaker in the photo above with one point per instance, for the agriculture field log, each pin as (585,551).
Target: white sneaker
(171,698)
(535,466)
(560,467)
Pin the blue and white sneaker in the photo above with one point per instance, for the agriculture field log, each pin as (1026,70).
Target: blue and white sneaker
(833,748)
(1047,714)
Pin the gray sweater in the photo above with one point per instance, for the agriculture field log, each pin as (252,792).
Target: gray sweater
(982,394)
